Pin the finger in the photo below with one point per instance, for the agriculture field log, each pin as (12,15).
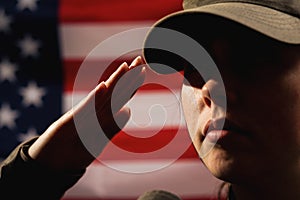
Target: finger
(103,100)
(126,87)
(113,79)
(105,89)
(123,82)
(101,90)
(136,62)
(85,106)
(101,96)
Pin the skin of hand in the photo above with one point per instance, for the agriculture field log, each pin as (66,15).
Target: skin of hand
(60,147)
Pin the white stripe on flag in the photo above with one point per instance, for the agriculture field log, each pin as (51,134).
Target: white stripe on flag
(78,39)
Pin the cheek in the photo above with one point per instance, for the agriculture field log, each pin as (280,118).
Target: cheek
(293,107)
(192,108)
(290,97)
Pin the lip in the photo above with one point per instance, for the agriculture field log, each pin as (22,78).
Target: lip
(216,129)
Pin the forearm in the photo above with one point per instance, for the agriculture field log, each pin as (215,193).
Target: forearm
(60,147)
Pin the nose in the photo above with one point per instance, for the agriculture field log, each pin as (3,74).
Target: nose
(213,92)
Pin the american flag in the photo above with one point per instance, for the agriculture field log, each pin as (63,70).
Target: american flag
(43,45)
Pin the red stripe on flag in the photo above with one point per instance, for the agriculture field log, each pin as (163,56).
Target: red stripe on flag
(116,10)
(150,144)
(154,80)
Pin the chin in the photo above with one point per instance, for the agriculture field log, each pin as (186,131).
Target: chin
(223,166)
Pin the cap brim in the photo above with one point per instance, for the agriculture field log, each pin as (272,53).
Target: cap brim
(272,23)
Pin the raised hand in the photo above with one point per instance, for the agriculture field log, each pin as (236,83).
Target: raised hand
(75,139)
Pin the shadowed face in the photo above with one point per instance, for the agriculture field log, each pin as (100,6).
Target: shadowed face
(260,136)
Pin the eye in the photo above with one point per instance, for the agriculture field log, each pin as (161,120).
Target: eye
(192,77)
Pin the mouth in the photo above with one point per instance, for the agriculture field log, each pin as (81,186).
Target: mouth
(217,129)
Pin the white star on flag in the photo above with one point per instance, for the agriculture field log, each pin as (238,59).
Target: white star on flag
(32,95)
(8,116)
(27,4)
(26,136)
(7,71)
(29,46)
(5,21)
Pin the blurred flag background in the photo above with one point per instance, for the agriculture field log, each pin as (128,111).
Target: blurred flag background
(43,44)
